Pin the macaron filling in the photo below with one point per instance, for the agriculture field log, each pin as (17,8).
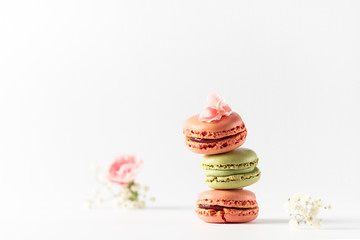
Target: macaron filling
(207,140)
(219,208)
(211,140)
(238,177)
(223,173)
(230,166)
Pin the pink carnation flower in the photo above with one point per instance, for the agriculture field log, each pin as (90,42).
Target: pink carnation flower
(124,169)
(215,110)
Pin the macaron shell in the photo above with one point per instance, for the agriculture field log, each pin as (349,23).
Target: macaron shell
(221,146)
(226,126)
(243,200)
(228,198)
(241,157)
(234,181)
(228,215)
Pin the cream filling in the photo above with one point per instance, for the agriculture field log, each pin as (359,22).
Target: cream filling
(239,177)
(230,166)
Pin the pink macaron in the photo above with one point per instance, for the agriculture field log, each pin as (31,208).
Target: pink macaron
(227,206)
(219,136)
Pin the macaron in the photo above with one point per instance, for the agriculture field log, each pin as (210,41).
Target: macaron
(227,206)
(234,169)
(214,137)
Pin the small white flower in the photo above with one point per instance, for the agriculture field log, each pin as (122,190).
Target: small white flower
(95,167)
(317,223)
(88,203)
(100,200)
(108,187)
(296,197)
(125,205)
(135,187)
(328,207)
(152,199)
(146,188)
(125,190)
(294,223)
(293,205)
(306,216)
(96,192)
(134,204)
(102,179)
(126,194)
(304,199)
(310,219)
(141,204)
(124,197)
(314,211)
(303,209)
(117,203)
(317,203)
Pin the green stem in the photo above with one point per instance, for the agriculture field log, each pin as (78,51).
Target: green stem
(134,195)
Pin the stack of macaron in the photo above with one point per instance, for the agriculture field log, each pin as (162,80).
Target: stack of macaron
(218,132)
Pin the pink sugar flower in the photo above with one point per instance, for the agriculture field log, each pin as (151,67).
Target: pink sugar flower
(124,169)
(215,110)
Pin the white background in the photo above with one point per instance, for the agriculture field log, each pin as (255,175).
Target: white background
(84,81)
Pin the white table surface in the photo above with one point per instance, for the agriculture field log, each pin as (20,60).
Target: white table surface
(163,223)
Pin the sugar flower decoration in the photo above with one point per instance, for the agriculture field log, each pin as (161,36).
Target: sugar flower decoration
(302,209)
(215,110)
(118,181)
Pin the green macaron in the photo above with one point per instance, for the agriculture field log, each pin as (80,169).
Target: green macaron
(234,169)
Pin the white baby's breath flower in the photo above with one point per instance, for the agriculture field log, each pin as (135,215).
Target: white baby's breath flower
(303,209)
(317,223)
(296,197)
(96,192)
(310,219)
(125,194)
(146,188)
(88,203)
(125,190)
(102,178)
(100,200)
(304,199)
(117,203)
(306,215)
(152,199)
(125,205)
(293,205)
(314,211)
(95,167)
(328,207)
(317,203)
(134,204)
(141,204)
(294,223)
(108,187)
(135,187)
(124,197)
